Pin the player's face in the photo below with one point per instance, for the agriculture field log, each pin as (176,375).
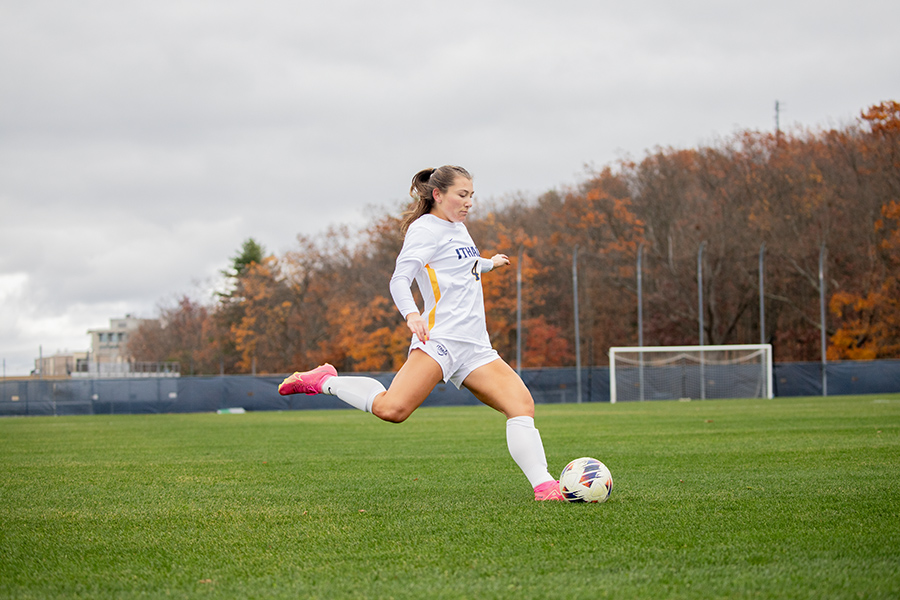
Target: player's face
(454,204)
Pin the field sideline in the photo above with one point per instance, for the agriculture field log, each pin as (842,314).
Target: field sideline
(783,498)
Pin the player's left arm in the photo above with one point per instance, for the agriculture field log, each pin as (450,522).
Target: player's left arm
(497,260)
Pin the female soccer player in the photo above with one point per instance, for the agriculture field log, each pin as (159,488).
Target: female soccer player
(449,338)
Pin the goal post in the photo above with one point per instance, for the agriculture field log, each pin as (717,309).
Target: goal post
(692,372)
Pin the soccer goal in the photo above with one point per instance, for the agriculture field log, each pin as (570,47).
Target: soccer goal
(694,372)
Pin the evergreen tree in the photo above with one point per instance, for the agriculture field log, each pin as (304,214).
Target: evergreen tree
(251,252)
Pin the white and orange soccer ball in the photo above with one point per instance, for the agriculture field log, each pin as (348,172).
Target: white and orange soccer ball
(586,480)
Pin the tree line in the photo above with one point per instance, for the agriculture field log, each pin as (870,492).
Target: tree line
(782,195)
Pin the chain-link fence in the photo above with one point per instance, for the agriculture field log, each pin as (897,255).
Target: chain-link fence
(208,394)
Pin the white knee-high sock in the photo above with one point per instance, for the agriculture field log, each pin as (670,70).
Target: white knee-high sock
(358,392)
(527,449)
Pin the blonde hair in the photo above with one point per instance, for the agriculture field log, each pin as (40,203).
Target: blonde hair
(422,190)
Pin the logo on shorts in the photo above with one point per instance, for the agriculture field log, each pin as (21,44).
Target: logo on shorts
(441,350)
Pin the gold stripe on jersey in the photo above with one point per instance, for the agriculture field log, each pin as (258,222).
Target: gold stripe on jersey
(432,277)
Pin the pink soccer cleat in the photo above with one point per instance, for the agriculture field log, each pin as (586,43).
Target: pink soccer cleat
(549,490)
(309,382)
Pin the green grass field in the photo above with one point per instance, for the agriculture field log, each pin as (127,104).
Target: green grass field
(784,498)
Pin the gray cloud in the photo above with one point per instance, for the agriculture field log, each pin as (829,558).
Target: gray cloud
(141,143)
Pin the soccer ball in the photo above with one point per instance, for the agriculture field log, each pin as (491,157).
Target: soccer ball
(586,480)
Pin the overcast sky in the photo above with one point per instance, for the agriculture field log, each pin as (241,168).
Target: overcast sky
(142,142)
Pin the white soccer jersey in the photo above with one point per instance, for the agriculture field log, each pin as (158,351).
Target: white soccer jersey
(442,258)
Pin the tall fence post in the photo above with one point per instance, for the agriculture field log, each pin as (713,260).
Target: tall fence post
(577,325)
(762,294)
(700,319)
(762,310)
(640,311)
(822,318)
(519,314)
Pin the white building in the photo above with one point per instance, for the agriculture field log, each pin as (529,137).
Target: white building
(60,364)
(110,357)
(110,345)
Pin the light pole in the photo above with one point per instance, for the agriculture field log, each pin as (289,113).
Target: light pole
(577,325)
(762,294)
(519,314)
(822,317)
(640,311)
(700,313)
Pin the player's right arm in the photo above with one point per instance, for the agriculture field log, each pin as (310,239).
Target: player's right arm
(417,325)
(418,248)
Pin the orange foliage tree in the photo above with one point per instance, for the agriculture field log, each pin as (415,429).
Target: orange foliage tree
(870,321)
(180,334)
(328,299)
(869,313)
(265,319)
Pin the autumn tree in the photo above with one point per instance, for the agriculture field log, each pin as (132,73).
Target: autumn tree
(341,280)
(224,320)
(265,319)
(180,334)
(870,321)
(328,299)
(543,343)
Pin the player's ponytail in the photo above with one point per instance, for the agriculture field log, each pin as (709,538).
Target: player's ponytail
(422,190)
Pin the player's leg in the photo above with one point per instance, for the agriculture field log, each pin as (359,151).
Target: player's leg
(500,387)
(411,385)
(358,392)
(407,392)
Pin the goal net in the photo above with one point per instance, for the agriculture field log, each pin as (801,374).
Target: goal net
(694,372)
